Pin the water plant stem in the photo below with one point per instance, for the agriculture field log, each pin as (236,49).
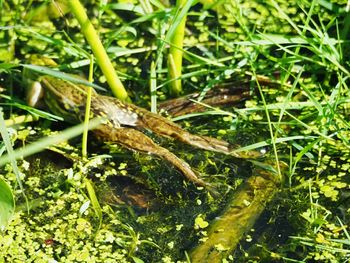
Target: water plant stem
(87,110)
(100,53)
(176,53)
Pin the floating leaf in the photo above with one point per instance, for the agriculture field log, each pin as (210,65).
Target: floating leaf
(200,223)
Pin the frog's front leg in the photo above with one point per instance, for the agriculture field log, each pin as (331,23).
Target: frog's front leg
(136,140)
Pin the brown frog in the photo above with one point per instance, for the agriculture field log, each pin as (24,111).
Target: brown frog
(125,122)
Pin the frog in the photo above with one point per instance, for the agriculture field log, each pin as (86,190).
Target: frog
(125,123)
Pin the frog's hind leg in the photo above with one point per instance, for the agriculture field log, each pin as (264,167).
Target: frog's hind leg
(165,127)
(136,140)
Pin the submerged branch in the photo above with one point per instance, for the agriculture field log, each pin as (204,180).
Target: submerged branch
(228,94)
(242,211)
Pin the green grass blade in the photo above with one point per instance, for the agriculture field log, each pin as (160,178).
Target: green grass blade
(153,87)
(87,112)
(11,156)
(94,201)
(7,204)
(277,141)
(61,75)
(175,52)
(47,141)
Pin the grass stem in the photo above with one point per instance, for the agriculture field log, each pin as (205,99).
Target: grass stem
(176,53)
(87,111)
(99,51)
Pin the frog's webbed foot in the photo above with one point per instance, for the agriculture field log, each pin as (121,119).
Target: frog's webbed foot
(136,140)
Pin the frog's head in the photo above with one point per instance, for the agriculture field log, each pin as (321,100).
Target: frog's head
(62,97)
